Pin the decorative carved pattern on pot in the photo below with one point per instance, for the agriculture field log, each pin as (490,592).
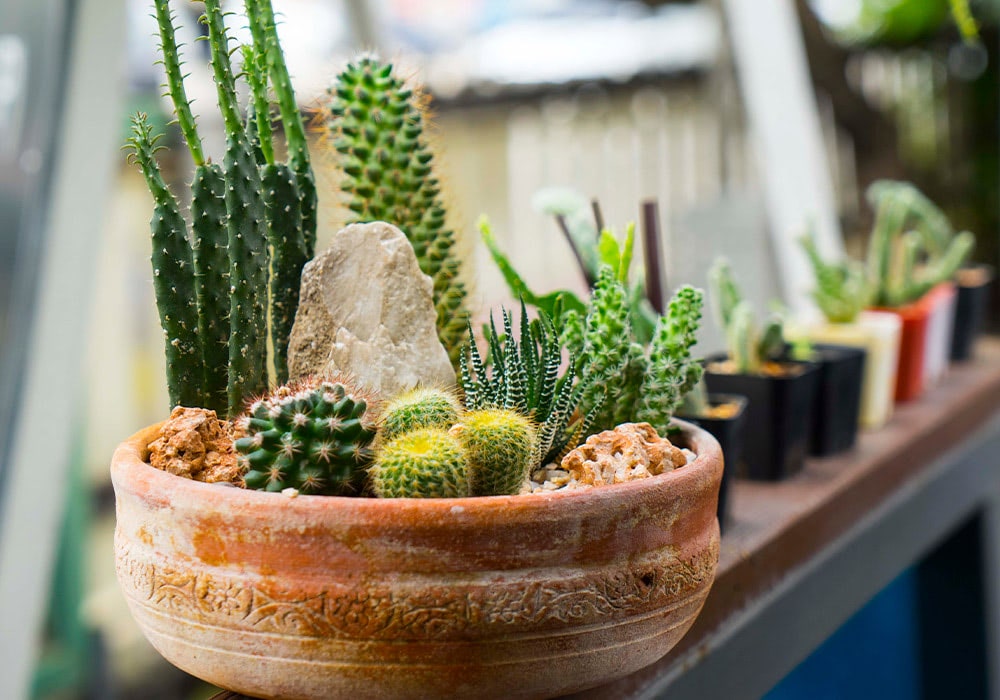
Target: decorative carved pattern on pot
(417,612)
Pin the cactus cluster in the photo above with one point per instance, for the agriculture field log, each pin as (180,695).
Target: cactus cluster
(843,289)
(227,286)
(312,437)
(903,263)
(376,124)
(749,346)
(432,448)
(523,375)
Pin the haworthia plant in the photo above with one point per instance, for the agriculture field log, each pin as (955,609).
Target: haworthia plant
(253,223)
(377,128)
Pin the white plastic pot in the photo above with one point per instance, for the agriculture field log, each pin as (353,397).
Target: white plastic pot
(877,332)
(940,328)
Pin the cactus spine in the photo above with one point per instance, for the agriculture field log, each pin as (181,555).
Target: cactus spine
(423,463)
(253,221)
(377,128)
(500,448)
(312,438)
(418,408)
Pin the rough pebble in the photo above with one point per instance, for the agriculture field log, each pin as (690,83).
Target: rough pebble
(195,444)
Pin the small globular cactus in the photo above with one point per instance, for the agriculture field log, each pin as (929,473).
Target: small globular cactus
(314,438)
(419,408)
(423,463)
(500,446)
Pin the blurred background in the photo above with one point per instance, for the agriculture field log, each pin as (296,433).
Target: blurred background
(621,101)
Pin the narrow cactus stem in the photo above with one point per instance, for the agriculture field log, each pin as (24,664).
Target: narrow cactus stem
(247,229)
(175,80)
(256,74)
(282,205)
(222,70)
(265,36)
(173,276)
(211,269)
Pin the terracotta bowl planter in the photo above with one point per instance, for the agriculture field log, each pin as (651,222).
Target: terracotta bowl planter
(322,597)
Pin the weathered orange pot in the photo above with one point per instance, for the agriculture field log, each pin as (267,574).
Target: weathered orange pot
(323,597)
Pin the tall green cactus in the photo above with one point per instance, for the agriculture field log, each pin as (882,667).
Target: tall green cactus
(378,131)
(173,280)
(253,220)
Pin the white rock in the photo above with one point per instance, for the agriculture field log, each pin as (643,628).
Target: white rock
(366,310)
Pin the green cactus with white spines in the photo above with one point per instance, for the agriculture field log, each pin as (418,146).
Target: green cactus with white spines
(748,344)
(903,264)
(423,463)
(418,408)
(378,131)
(500,448)
(243,295)
(312,437)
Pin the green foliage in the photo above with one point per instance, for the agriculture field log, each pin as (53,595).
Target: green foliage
(378,131)
(241,295)
(904,264)
(523,375)
(749,346)
(418,408)
(424,463)
(314,438)
(842,289)
(500,449)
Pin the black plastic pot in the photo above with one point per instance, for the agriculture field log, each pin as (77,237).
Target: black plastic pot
(778,417)
(729,433)
(970,310)
(838,399)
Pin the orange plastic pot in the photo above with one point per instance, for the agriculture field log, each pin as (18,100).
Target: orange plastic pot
(322,597)
(910,370)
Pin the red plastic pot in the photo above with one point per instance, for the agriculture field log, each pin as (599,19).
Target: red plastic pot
(912,346)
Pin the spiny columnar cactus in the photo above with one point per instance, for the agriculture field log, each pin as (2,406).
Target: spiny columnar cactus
(239,212)
(749,347)
(314,438)
(500,448)
(524,376)
(378,130)
(903,265)
(671,371)
(842,289)
(599,344)
(418,408)
(423,463)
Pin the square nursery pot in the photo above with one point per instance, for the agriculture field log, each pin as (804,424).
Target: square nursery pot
(778,415)
(910,370)
(728,431)
(331,597)
(838,399)
(940,330)
(877,333)
(970,308)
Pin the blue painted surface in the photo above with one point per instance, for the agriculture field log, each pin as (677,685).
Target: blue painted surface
(874,655)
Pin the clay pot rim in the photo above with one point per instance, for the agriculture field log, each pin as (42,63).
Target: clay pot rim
(130,470)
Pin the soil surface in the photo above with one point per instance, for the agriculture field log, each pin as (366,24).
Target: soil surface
(195,444)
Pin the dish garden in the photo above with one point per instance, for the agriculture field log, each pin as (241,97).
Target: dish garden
(353,473)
